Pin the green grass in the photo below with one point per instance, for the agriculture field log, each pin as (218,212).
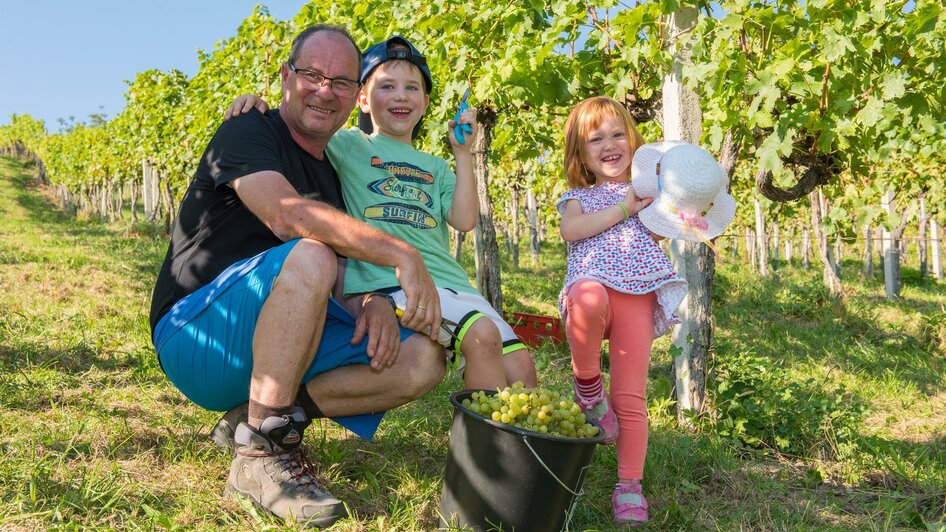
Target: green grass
(93,435)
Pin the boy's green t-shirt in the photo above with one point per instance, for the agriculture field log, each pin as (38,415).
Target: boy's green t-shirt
(401,191)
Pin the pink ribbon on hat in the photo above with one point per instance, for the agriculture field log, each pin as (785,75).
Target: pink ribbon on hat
(696,224)
(695,220)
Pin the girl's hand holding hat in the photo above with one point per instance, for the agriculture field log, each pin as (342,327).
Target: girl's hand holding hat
(633,203)
(689,188)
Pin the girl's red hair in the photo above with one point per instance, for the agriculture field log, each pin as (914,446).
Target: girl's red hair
(585,117)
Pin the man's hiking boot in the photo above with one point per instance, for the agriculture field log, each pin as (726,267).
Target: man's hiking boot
(270,469)
(222,433)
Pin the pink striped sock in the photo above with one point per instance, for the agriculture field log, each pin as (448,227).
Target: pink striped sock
(588,388)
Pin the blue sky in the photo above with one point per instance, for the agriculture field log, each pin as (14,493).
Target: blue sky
(70,58)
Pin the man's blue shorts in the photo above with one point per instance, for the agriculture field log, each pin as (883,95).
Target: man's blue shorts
(205,342)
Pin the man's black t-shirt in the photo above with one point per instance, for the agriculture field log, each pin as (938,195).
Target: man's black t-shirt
(214,228)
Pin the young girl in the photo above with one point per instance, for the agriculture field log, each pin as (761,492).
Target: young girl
(620,286)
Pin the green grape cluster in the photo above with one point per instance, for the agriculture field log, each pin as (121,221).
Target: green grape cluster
(534,409)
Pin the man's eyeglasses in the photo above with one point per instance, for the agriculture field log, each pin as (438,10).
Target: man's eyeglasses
(339,86)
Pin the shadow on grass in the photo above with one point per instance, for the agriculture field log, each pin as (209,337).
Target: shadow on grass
(83,495)
(75,357)
(140,251)
(88,329)
(36,378)
(696,482)
(796,322)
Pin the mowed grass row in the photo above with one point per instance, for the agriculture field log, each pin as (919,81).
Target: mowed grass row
(93,436)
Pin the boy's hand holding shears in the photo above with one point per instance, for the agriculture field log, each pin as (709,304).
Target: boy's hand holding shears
(463,124)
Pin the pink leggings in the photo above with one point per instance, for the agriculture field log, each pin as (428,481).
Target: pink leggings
(592,309)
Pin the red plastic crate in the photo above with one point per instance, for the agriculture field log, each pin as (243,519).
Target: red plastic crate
(534,330)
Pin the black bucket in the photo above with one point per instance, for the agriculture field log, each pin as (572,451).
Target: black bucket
(499,477)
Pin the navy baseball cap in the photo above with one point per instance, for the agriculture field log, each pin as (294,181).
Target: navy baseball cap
(382,53)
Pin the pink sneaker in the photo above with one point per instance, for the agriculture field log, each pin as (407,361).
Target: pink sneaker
(598,410)
(630,506)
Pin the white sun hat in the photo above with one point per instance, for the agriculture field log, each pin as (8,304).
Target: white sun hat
(689,191)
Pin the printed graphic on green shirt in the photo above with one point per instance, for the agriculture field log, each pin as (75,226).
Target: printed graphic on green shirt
(404,171)
(393,188)
(398,213)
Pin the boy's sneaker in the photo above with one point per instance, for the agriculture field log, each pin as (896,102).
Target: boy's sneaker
(270,469)
(630,506)
(222,433)
(598,410)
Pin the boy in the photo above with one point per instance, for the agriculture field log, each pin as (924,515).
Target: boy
(412,195)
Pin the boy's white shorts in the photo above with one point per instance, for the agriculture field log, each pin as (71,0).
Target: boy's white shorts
(464,309)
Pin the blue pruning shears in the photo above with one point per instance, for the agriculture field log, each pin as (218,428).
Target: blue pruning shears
(460,129)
